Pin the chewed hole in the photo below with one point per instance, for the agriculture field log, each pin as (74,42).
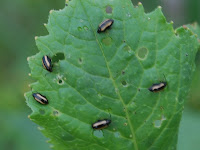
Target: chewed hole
(123,72)
(57,57)
(109,10)
(142,53)
(85,28)
(80,29)
(42,112)
(124,83)
(127,49)
(117,134)
(55,113)
(125,124)
(98,134)
(107,41)
(80,60)
(157,123)
(60,81)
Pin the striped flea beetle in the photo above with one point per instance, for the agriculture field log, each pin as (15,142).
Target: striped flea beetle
(40,98)
(46,62)
(101,124)
(105,25)
(158,86)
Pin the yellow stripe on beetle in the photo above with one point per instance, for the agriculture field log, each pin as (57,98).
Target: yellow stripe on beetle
(158,87)
(40,98)
(46,62)
(105,25)
(101,124)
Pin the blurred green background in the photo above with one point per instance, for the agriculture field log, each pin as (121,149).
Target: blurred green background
(20,22)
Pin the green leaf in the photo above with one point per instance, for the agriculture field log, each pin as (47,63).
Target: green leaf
(109,74)
(195,28)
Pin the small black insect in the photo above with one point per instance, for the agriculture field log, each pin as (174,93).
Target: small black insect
(158,86)
(40,98)
(101,124)
(105,25)
(46,62)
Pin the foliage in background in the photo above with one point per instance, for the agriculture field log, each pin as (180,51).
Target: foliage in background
(140,119)
(20,21)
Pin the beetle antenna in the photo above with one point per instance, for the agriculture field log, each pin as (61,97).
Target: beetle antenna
(165,77)
(110,115)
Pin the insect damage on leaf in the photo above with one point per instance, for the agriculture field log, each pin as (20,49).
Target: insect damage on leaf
(110,73)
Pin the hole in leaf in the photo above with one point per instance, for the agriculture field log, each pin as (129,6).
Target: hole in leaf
(42,112)
(57,57)
(125,124)
(157,123)
(117,134)
(80,29)
(142,53)
(55,113)
(124,83)
(109,10)
(98,133)
(123,72)
(127,49)
(85,28)
(60,81)
(80,60)
(107,41)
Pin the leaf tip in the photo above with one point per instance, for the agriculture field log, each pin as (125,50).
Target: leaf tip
(25,95)
(139,4)
(185,27)
(51,11)
(28,58)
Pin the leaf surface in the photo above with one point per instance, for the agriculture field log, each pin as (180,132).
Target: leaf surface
(195,28)
(98,75)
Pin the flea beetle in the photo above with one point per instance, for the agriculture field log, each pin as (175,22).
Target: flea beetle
(46,61)
(105,25)
(40,98)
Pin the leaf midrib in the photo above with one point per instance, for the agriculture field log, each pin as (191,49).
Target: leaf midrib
(114,84)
